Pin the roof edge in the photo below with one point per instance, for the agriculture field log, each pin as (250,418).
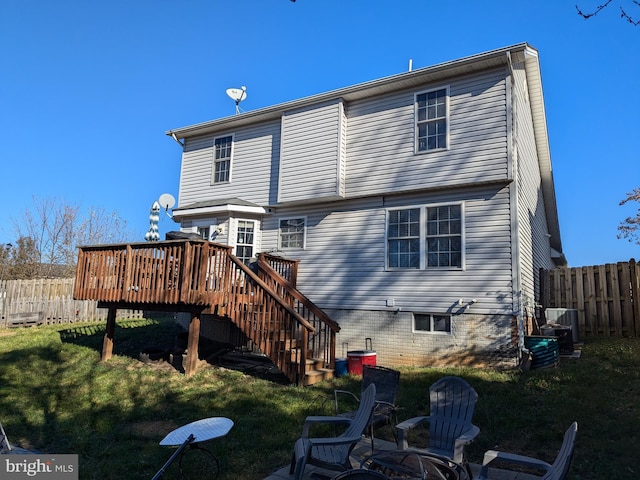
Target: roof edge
(360,89)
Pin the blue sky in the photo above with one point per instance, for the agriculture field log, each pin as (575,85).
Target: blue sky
(88,90)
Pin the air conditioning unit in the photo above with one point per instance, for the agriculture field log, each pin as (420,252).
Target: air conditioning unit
(564,316)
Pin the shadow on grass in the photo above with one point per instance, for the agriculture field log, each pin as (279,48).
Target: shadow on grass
(130,338)
(163,343)
(57,398)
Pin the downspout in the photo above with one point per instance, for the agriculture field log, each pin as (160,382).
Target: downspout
(512,149)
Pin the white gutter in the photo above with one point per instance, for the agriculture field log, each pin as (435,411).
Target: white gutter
(180,213)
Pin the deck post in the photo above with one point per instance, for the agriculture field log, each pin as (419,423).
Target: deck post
(192,345)
(107,343)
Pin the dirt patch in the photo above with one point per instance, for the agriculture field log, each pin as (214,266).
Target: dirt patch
(157,429)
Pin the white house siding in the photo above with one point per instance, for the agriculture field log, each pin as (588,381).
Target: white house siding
(534,248)
(381,143)
(311,153)
(343,265)
(342,270)
(255,156)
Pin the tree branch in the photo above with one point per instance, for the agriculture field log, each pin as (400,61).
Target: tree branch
(597,10)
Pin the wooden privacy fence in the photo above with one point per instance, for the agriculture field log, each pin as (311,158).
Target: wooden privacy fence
(50,300)
(606,297)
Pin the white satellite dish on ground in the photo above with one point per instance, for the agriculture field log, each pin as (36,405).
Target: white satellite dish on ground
(237,95)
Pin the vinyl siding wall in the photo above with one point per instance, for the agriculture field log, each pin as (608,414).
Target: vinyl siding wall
(311,153)
(364,148)
(253,166)
(381,142)
(343,266)
(342,270)
(367,148)
(534,248)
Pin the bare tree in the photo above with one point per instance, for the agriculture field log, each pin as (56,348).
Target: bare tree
(599,8)
(52,230)
(50,224)
(100,226)
(630,227)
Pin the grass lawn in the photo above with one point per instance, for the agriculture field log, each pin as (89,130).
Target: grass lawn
(57,397)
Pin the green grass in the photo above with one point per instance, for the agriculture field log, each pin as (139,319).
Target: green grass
(57,397)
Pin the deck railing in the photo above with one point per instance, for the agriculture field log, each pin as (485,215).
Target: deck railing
(195,275)
(285,267)
(188,272)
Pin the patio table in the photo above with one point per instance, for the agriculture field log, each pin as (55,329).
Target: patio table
(413,464)
(192,435)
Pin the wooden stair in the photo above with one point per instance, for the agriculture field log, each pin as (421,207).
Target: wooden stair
(316,372)
(200,277)
(315,368)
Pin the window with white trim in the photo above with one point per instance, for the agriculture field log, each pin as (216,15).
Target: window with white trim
(204,232)
(403,238)
(433,323)
(291,233)
(425,237)
(432,120)
(444,236)
(245,240)
(222,147)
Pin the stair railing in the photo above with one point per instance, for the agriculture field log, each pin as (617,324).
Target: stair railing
(322,344)
(271,323)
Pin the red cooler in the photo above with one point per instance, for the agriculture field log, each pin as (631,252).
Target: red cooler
(357,358)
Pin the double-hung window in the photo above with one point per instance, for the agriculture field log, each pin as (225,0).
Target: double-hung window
(292,232)
(403,238)
(444,236)
(425,237)
(432,120)
(222,148)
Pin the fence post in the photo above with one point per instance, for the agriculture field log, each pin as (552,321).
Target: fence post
(634,270)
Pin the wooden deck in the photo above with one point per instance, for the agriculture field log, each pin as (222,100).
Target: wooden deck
(203,277)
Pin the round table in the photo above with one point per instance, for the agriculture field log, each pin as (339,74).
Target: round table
(193,435)
(414,464)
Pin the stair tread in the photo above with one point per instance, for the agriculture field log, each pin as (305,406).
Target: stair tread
(318,375)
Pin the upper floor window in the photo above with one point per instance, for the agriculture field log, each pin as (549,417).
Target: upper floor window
(222,147)
(291,232)
(425,237)
(432,119)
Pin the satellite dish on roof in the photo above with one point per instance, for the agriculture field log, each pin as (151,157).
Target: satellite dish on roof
(237,95)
